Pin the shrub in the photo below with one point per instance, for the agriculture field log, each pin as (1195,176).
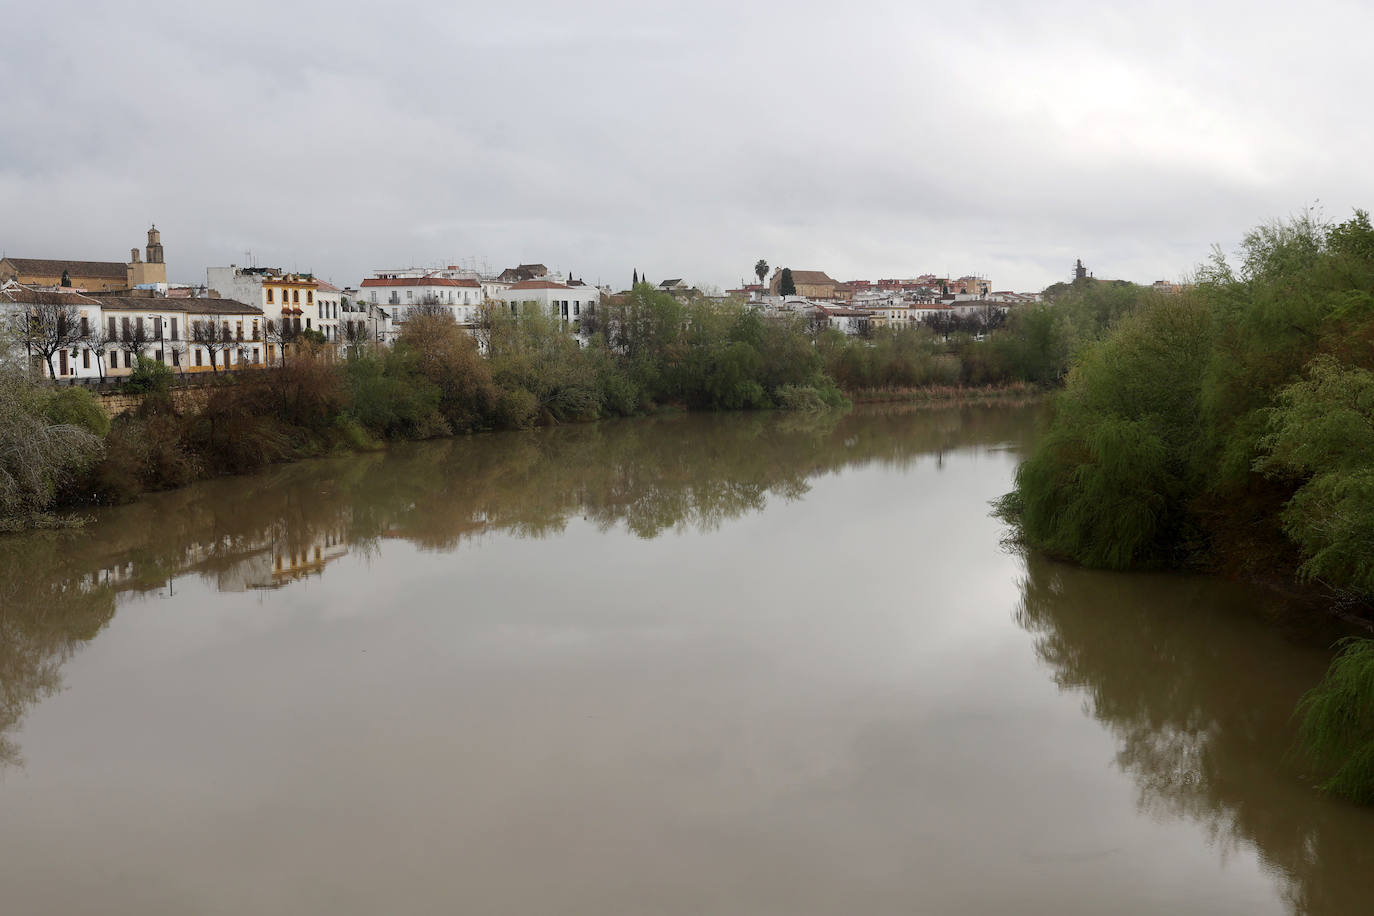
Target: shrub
(149,376)
(77,407)
(39,454)
(1337,730)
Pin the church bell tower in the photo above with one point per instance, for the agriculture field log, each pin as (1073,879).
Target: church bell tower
(154,253)
(151,270)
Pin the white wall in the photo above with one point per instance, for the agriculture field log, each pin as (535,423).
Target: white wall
(567,302)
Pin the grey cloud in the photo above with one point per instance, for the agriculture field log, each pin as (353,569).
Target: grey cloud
(869,139)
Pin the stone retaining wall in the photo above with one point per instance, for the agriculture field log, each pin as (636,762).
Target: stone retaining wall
(182,399)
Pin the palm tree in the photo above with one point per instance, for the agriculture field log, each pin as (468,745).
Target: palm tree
(761,268)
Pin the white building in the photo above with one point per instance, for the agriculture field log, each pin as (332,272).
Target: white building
(461,296)
(848,320)
(114,331)
(556,300)
(328,305)
(287,300)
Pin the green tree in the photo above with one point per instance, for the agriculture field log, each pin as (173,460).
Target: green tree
(42,445)
(761,269)
(785,285)
(1337,730)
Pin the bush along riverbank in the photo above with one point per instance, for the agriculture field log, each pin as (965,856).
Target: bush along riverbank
(641,353)
(1231,428)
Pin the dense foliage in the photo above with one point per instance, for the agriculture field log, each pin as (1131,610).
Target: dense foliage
(47,438)
(1232,427)
(1338,722)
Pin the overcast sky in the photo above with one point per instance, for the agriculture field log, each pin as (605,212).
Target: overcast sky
(684,139)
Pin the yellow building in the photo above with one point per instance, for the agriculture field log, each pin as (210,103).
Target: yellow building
(90,276)
(810,284)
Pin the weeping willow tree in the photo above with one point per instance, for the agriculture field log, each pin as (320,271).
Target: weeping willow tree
(1337,729)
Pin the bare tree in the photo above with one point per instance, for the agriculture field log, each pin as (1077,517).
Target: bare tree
(214,337)
(47,325)
(97,341)
(135,337)
(285,333)
(355,335)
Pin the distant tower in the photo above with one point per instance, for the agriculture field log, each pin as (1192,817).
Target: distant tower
(154,246)
(150,271)
(1079,271)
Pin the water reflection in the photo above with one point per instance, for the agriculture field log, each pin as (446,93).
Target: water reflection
(57,590)
(1198,690)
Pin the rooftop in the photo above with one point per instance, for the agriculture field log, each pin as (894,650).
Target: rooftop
(112,270)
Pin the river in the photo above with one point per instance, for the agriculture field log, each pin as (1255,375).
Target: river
(753,664)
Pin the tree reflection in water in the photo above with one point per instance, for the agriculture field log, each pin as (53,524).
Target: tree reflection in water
(1199,689)
(57,590)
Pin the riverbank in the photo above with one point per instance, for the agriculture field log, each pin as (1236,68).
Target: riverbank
(1231,427)
(1013,394)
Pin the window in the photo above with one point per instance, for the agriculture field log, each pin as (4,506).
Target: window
(269,296)
(113,333)
(175,334)
(114,356)
(410,295)
(198,357)
(255,329)
(238,330)
(85,357)
(85,328)
(296,296)
(176,358)
(309,297)
(373,294)
(255,354)
(307,324)
(128,360)
(577,308)
(124,326)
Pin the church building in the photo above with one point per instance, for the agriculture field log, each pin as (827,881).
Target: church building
(91,276)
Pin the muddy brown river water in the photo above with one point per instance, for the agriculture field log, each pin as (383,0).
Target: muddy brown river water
(754,664)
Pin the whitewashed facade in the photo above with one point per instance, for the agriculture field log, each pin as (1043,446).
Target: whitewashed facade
(556,300)
(117,330)
(401,296)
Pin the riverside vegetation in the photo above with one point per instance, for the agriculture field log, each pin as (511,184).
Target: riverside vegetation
(1231,428)
(644,353)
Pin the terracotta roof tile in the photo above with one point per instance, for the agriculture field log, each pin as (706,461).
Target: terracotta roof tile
(112,270)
